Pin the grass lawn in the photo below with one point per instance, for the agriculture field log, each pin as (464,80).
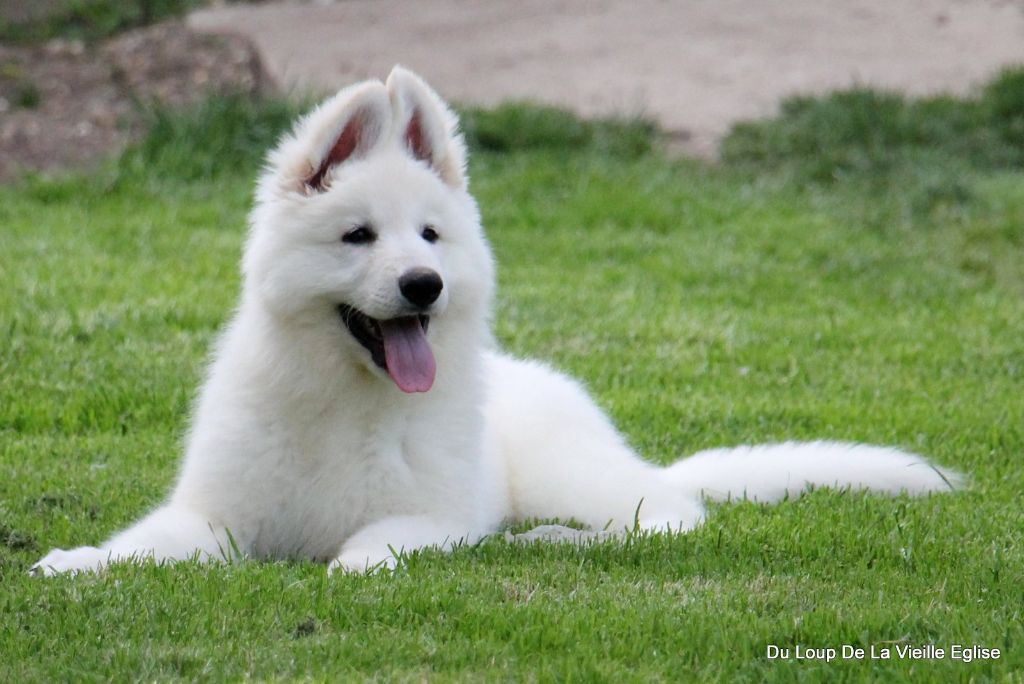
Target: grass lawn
(869,297)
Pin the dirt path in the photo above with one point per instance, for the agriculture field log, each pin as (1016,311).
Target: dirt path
(695,66)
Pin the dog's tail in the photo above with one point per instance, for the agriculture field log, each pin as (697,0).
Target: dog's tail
(771,472)
(564,459)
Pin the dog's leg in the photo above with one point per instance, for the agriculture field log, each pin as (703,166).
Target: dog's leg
(592,477)
(375,546)
(168,533)
(566,460)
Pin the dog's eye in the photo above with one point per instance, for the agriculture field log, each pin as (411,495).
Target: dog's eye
(360,235)
(429,234)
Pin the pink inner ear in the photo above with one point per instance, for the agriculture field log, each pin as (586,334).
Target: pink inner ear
(343,148)
(416,140)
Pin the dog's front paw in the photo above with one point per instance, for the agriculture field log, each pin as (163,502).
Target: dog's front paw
(82,559)
(362,562)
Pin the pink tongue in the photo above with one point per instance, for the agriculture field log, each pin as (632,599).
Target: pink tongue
(407,353)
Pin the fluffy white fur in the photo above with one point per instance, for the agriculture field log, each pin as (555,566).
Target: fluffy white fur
(302,447)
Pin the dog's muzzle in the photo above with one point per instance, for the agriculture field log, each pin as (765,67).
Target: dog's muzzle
(397,345)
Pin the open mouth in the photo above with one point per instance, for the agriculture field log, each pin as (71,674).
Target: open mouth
(397,345)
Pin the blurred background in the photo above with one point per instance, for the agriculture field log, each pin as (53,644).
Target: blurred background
(77,76)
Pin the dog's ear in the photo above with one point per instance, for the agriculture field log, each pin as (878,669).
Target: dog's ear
(346,127)
(426,126)
(357,124)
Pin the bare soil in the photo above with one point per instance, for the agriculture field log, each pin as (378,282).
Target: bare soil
(696,66)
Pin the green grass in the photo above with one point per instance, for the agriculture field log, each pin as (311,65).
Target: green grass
(91,20)
(863,133)
(704,306)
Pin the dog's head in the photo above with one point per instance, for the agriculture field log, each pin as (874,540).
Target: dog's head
(364,230)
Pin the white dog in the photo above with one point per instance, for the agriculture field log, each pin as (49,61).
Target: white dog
(357,405)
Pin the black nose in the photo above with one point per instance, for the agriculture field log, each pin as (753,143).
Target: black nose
(421,286)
